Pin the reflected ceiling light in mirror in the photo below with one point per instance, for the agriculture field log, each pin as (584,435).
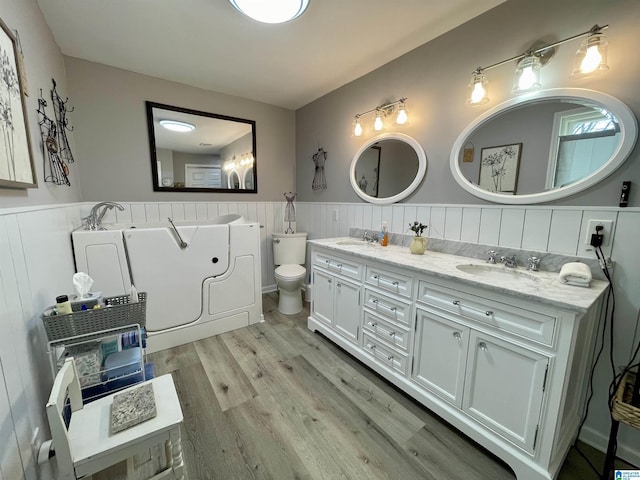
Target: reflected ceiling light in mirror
(382,112)
(478,88)
(271,11)
(527,75)
(591,58)
(176,126)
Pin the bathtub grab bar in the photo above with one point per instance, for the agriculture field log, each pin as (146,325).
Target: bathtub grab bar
(181,242)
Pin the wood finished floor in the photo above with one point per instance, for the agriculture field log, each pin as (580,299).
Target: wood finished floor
(276,401)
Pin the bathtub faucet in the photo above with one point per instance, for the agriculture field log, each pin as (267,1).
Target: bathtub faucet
(94,220)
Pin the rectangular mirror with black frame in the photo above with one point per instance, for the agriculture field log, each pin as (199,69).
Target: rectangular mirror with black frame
(193,151)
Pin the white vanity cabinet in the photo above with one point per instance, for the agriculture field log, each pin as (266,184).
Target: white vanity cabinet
(505,365)
(337,294)
(440,355)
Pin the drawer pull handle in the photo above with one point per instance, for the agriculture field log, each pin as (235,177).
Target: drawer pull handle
(372,347)
(390,358)
(392,334)
(382,305)
(374,325)
(488,313)
(456,302)
(339,265)
(457,335)
(483,346)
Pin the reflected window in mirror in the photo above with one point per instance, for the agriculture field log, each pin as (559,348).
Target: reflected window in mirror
(200,151)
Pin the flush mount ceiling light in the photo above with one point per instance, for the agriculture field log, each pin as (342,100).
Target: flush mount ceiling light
(590,58)
(176,126)
(271,11)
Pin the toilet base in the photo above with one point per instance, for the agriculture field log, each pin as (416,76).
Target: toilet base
(290,303)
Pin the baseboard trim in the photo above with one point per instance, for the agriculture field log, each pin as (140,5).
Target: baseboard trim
(597,440)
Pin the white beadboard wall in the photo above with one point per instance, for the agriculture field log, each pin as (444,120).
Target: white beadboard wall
(36,264)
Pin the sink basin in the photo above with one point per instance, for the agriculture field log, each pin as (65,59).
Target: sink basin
(494,272)
(355,242)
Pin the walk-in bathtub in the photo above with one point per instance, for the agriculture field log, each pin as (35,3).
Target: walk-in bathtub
(201,279)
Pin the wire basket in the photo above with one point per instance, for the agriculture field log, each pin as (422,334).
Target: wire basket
(622,410)
(117,312)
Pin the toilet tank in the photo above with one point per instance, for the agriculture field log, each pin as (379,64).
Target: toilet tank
(289,248)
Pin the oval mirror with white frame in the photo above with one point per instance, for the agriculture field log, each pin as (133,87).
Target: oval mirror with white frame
(388,168)
(543,146)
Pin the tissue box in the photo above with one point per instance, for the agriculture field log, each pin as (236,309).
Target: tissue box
(90,301)
(88,360)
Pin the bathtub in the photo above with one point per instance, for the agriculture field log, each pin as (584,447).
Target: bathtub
(211,286)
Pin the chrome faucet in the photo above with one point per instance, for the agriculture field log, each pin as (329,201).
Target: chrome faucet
(94,220)
(369,236)
(534,263)
(492,256)
(509,261)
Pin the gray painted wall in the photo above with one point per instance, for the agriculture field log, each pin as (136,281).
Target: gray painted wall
(434,77)
(113,143)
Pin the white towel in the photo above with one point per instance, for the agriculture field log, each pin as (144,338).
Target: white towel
(575,273)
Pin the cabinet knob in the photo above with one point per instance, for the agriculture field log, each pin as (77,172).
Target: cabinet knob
(376,277)
(372,347)
(483,346)
(391,334)
(456,302)
(339,265)
(395,284)
(338,285)
(390,358)
(374,325)
(457,335)
(488,313)
(328,280)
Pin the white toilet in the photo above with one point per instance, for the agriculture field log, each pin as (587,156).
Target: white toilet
(289,256)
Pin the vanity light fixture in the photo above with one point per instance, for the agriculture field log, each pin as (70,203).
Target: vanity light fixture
(382,112)
(591,58)
(176,126)
(271,11)
(240,168)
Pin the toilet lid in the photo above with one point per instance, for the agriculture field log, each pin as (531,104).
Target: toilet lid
(290,271)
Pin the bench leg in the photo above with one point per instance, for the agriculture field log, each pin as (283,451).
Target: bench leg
(610,458)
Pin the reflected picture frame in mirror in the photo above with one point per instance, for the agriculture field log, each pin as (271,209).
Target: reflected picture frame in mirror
(625,129)
(390,166)
(200,151)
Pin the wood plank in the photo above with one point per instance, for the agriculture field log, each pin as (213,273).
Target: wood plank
(228,381)
(172,359)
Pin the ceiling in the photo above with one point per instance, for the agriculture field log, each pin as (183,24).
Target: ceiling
(210,45)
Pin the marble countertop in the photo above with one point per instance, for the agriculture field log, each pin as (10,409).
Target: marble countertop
(540,286)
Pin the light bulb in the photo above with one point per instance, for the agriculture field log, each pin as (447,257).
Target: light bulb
(357,130)
(591,60)
(527,79)
(402,117)
(527,74)
(377,125)
(478,93)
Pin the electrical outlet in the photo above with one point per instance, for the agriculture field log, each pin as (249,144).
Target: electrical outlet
(606,232)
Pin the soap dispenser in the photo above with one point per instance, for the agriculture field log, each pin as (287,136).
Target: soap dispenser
(384,235)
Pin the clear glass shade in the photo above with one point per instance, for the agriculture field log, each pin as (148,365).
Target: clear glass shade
(527,76)
(478,89)
(271,11)
(591,56)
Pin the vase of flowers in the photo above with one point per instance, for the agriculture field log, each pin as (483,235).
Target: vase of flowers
(418,242)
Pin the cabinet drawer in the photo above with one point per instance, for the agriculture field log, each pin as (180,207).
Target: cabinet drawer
(525,323)
(388,332)
(390,281)
(338,265)
(385,355)
(387,307)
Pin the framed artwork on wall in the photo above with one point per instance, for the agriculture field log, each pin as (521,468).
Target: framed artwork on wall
(499,168)
(16,158)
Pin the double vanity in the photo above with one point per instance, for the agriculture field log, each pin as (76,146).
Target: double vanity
(501,354)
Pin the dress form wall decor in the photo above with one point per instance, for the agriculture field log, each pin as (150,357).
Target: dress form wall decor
(289,211)
(319,180)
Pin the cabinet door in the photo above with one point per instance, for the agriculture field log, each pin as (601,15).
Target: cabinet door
(440,355)
(504,387)
(347,309)
(322,307)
